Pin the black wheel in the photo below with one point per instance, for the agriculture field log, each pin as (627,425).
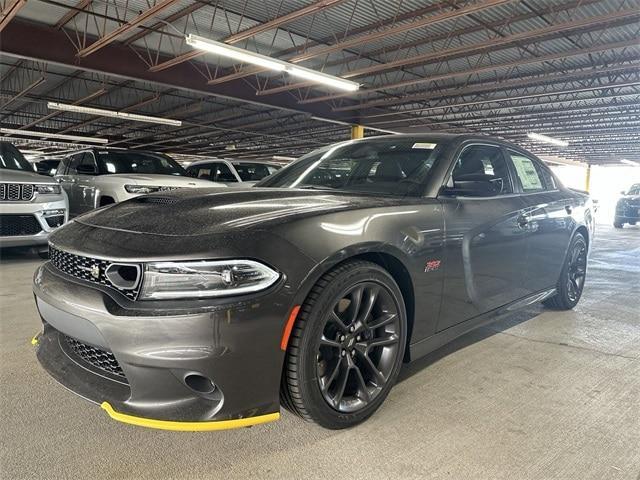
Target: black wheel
(347,346)
(617,223)
(572,277)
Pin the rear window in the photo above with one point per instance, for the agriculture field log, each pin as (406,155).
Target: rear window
(252,172)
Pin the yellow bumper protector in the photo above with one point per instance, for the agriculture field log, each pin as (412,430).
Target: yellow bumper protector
(34,340)
(188,426)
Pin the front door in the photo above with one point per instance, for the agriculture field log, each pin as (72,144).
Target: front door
(485,260)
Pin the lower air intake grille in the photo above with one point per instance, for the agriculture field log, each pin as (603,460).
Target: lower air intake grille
(100,359)
(16,225)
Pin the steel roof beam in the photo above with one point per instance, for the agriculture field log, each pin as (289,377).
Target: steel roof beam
(111,36)
(478,70)
(77,9)
(250,32)
(10,11)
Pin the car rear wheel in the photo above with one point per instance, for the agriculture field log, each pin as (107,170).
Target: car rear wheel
(572,277)
(618,224)
(347,346)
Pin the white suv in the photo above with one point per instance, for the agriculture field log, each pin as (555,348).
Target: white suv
(97,177)
(31,206)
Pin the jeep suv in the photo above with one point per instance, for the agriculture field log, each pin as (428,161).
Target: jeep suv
(628,207)
(97,177)
(31,206)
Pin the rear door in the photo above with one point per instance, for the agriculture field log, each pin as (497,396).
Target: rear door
(548,221)
(85,184)
(485,259)
(68,182)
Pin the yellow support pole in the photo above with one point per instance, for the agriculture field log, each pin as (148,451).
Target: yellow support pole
(587,185)
(357,131)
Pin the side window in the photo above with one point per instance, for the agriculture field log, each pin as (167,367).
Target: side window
(62,168)
(481,170)
(89,160)
(202,172)
(74,161)
(533,177)
(223,173)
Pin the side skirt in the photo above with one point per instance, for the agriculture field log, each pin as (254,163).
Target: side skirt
(429,344)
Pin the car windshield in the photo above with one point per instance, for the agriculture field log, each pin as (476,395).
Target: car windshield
(389,167)
(252,172)
(12,159)
(137,162)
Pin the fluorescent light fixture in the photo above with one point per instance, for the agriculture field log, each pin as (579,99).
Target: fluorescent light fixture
(245,56)
(543,138)
(110,113)
(73,138)
(282,158)
(630,162)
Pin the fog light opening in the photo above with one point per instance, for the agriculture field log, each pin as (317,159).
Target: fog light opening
(199,383)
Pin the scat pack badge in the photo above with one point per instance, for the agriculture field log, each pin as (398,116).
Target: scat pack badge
(432,265)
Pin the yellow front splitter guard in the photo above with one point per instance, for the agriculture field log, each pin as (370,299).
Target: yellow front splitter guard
(188,426)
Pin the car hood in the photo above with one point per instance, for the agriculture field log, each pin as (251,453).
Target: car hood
(21,176)
(200,212)
(165,180)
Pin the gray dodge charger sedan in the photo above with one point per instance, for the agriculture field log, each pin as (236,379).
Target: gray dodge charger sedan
(204,310)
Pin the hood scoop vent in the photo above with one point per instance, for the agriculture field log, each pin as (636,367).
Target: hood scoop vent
(158,200)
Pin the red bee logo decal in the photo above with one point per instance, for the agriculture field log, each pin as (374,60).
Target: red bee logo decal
(432,265)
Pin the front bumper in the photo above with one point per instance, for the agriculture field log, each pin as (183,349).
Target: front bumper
(235,345)
(36,209)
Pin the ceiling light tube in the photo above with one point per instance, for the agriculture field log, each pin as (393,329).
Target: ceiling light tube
(245,56)
(73,138)
(110,113)
(630,162)
(543,138)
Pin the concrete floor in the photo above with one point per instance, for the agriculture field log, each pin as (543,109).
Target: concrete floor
(539,395)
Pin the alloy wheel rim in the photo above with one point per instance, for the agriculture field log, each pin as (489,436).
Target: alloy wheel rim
(358,348)
(577,271)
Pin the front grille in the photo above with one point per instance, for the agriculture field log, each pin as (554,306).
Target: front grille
(88,269)
(16,225)
(100,359)
(16,192)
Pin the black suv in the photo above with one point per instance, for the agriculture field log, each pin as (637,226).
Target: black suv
(628,207)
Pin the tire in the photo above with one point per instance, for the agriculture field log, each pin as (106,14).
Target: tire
(572,277)
(329,371)
(617,223)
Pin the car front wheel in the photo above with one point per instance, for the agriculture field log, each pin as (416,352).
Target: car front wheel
(572,277)
(347,346)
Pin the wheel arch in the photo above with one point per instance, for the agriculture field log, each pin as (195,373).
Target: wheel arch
(585,233)
(384,255)
(105,200)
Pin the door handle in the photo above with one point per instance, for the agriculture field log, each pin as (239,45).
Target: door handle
(569,209)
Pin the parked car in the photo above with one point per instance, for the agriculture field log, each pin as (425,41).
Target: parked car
(31,206)
(233,173)
(47,167)
(96,177)
(628,207)
(203,311)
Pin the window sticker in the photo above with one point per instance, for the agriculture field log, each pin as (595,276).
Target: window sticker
(426,146)
(527,173)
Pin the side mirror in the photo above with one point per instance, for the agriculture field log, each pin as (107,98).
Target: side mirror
(471,188)
(86,169)
(622,192)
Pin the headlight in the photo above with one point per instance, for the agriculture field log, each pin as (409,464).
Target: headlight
(48,189)
(148,188)
(204,279)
